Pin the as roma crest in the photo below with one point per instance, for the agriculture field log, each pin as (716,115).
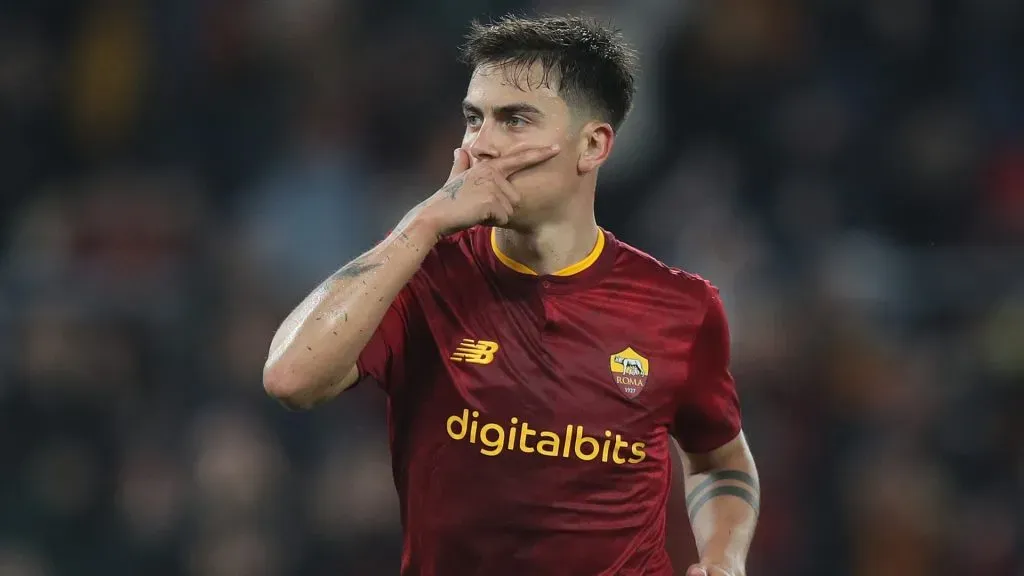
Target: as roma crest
(630,371)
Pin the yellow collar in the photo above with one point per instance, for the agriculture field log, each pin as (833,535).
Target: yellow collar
(567,271)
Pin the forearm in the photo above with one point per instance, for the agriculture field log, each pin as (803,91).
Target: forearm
(318,344)
(723,501)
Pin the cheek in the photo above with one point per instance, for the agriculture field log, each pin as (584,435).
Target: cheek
(562,166)
(529,182)
(536,184)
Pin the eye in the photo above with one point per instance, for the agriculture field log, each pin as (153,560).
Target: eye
(516,122)
(472,120)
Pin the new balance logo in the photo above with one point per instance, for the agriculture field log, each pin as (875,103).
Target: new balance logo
(475,351)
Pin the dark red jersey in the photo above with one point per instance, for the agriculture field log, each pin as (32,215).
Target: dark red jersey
(530,415)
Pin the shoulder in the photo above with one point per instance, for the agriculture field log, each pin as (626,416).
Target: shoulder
(456,247)
(451,258)
(652,274)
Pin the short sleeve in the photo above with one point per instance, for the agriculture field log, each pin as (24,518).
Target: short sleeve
(383,358)
(708,415)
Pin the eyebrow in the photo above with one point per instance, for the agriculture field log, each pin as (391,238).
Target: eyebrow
(506,110)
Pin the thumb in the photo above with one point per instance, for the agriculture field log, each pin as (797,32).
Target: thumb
(460,164)
(696,571)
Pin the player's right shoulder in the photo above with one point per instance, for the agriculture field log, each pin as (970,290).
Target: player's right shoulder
(452,255)
(459,244)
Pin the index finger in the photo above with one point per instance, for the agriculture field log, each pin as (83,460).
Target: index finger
(522,159)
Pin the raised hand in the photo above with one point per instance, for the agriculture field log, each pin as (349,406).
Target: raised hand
(481,194)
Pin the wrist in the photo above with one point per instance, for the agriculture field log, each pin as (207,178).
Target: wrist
(419,229)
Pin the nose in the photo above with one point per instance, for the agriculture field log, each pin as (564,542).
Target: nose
(482,145)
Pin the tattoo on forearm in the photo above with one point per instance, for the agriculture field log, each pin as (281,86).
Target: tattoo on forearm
(451,189)
(746,489)
(355,269)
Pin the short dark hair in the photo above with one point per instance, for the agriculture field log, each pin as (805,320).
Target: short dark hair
(592,64)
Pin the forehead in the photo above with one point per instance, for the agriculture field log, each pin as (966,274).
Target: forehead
(496,85)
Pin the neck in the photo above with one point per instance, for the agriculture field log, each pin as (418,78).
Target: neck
(552,246)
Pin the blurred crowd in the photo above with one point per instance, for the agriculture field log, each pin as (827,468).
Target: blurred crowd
(177,174)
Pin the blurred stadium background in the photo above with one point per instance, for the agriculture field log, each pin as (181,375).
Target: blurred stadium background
(178,173)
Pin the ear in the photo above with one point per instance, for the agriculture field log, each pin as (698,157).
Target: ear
(596,140)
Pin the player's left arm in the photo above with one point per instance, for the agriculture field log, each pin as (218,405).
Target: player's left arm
(722,490)
(723,498)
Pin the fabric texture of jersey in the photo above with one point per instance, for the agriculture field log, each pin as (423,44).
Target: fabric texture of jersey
(529,416)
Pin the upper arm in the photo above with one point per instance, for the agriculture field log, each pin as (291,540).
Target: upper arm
(708,413)
(733,454)
(384,356)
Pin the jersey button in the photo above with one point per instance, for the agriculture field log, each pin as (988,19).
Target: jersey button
(546,284)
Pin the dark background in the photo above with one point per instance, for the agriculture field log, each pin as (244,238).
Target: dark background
(177,174)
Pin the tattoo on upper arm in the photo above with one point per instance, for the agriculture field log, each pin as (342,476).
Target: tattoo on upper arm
(355,269)
(451,189)
(745,488)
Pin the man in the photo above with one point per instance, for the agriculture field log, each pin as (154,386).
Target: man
(535,366)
